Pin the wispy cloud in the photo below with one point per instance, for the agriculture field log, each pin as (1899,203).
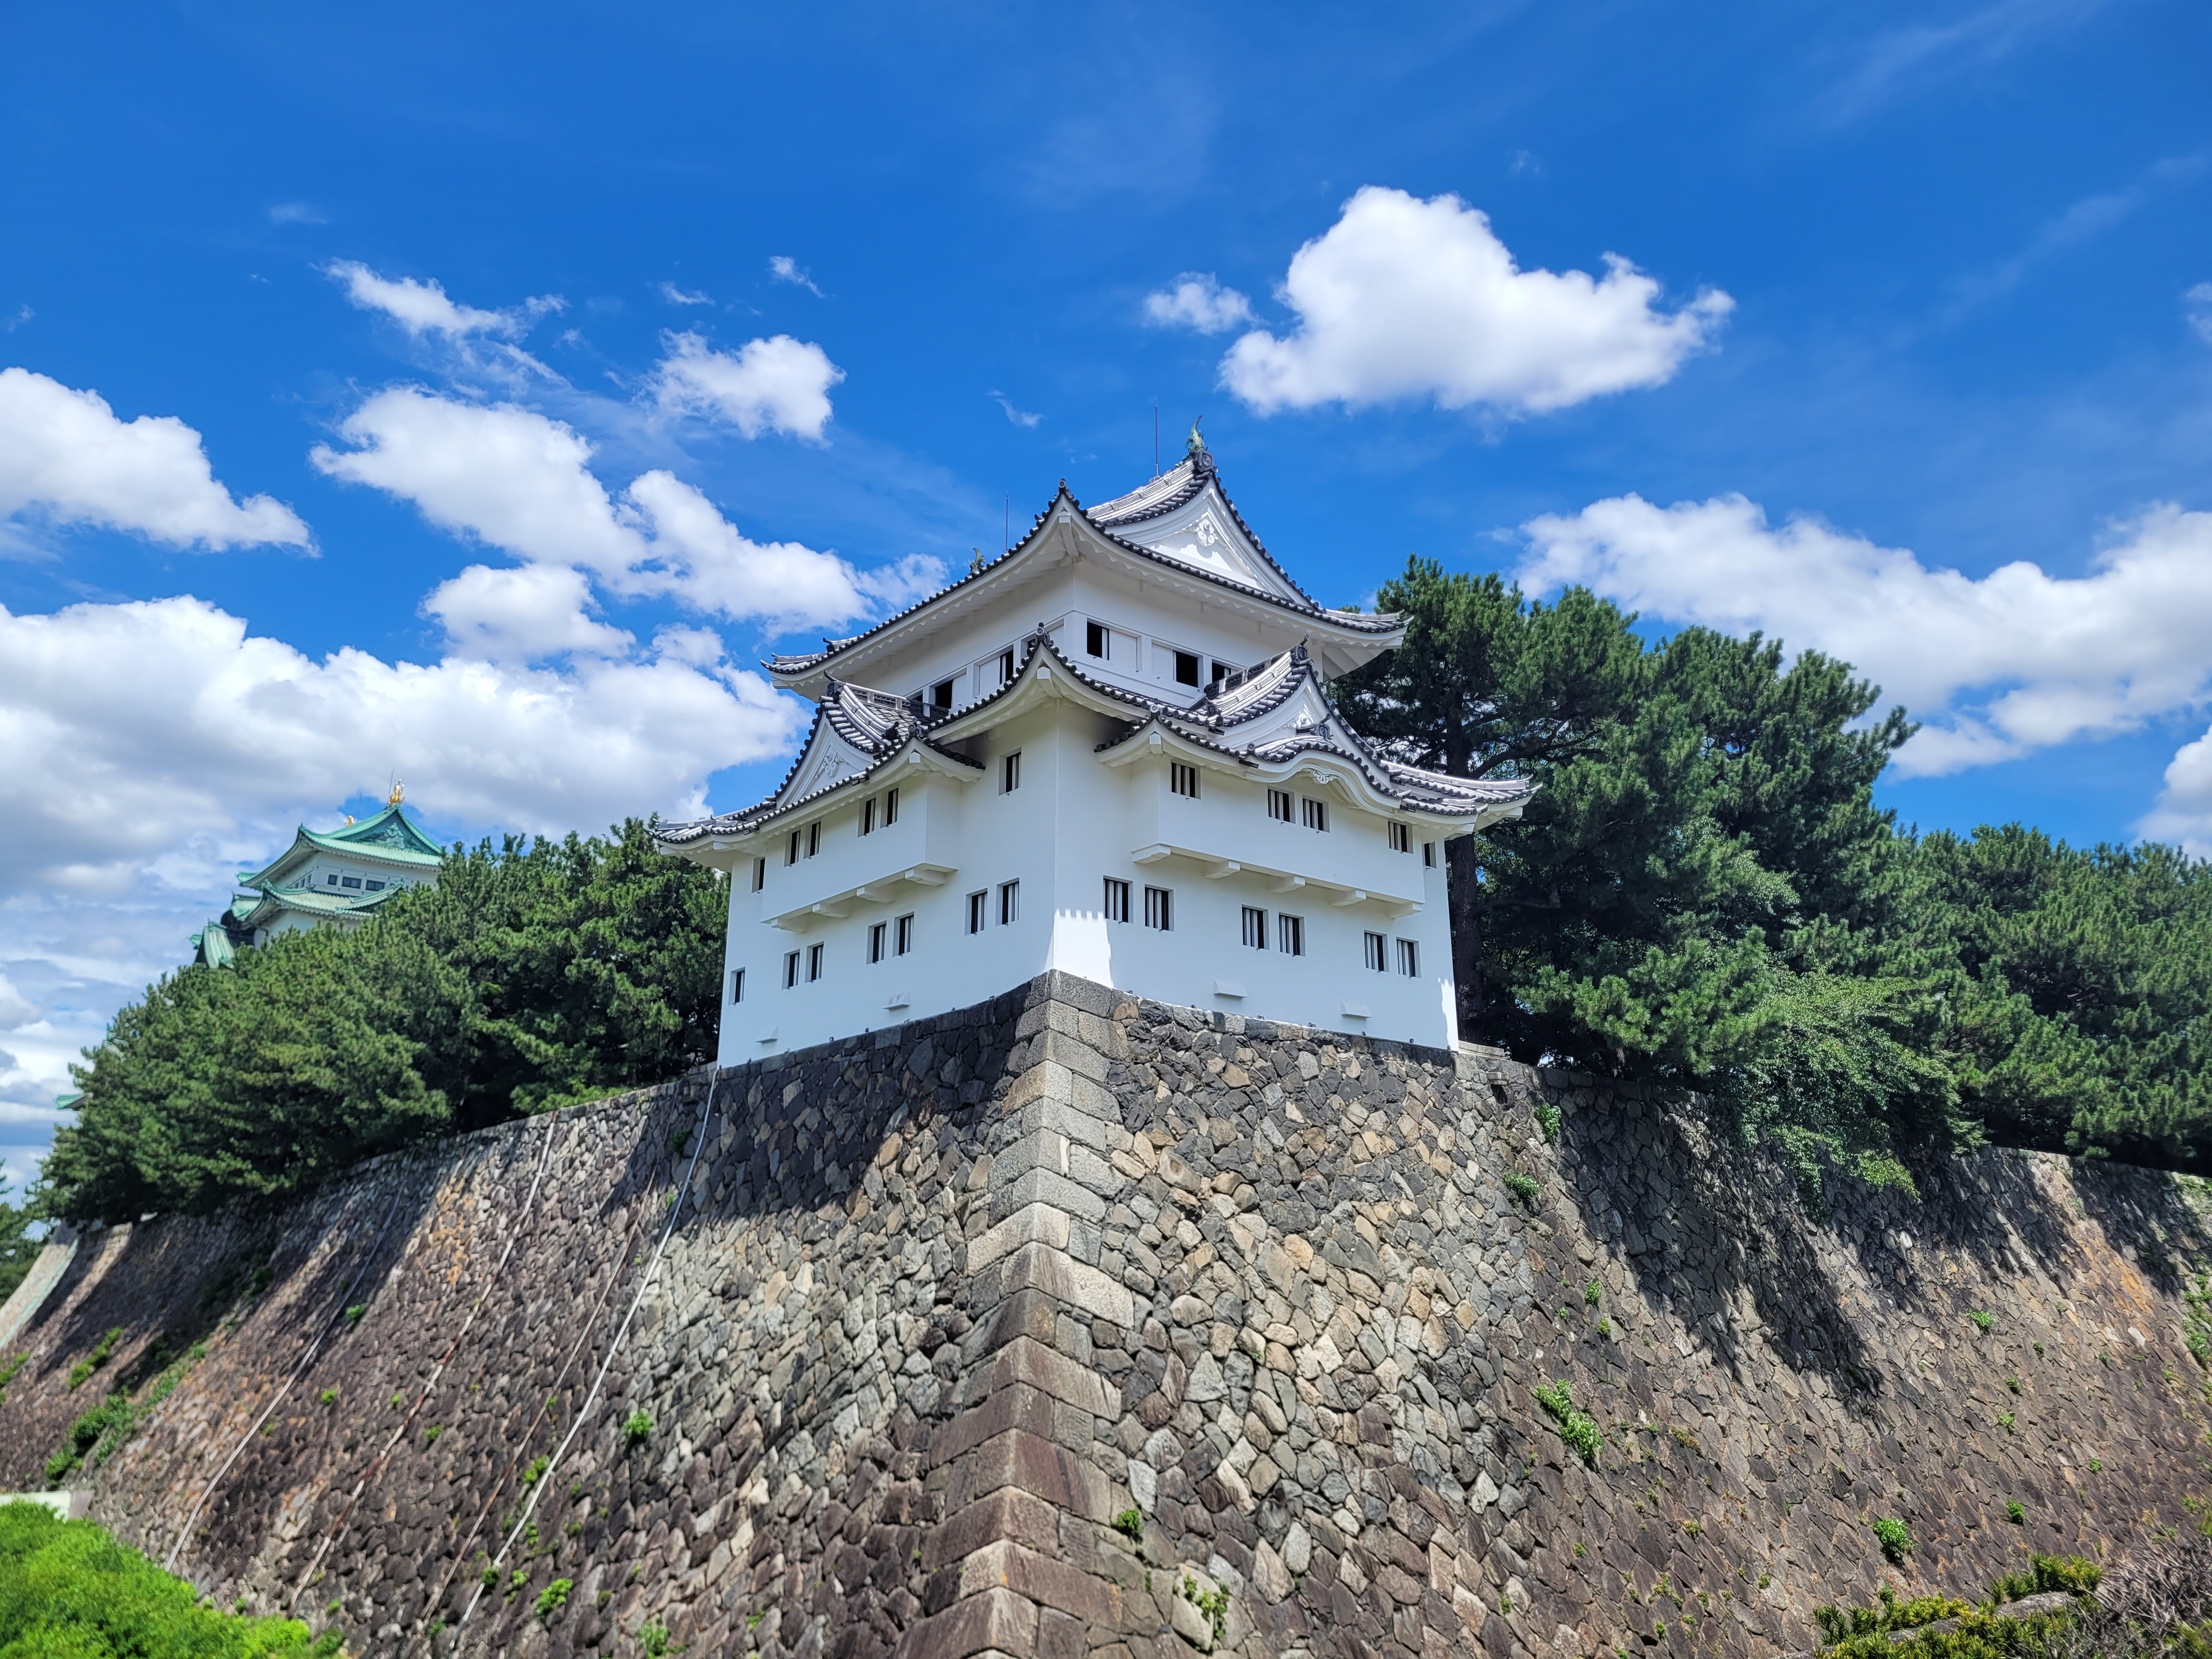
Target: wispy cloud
(1018,416)
(1901,63)
(677,296)
(23,314)
(785,269)
(2197,306)
(424,307)
(296,213)
(2080,221)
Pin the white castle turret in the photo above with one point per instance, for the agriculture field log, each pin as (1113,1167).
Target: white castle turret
(1106,752)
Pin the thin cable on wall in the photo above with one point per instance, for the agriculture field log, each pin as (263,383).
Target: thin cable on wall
(422,1398)
(584,1412)
(298,1371)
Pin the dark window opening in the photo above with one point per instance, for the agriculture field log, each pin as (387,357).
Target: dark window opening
(940,695)
(1255,928)
(1185,668)
(1117,900)
(1098,641)
(1159,908)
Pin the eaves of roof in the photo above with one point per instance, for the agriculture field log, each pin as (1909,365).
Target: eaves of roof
(1354,621)
(754,818)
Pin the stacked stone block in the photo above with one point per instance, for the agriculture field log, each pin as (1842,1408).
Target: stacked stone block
(1070,1325)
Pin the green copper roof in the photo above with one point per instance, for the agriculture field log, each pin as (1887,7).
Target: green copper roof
(388,836)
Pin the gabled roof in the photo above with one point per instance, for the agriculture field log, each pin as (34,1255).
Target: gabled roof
(388,836)
(1121,524)
(872,727)
(1270,717)
(272,903)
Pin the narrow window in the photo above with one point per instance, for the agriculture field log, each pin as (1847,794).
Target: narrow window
(1096,640)
(1291,935)
(877,934)
(1221,671)
(813,963)
(1401,838)
(332,880)
(791,848)
(814,837)
(737,985)
(1429,853)
(790,968)
(1377,954)
(1010,903)
(940,695)
(868,815)
(1006,667)
(1278,807)
(1185,668)
(1159,908)
(1117,900)
(1409,958)
(1316,813)
(1010,773)
(374,886)
(902,935)
(760,874)
(890,807)
(1255,928)
(1183,779)
(978,909)
(350,881)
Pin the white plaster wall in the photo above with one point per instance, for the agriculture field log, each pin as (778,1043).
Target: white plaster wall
(1073,821)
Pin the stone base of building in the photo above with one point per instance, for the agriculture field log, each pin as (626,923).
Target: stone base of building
(1068,1325)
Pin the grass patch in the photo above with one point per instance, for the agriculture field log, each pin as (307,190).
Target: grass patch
(70,1591)
(99,1357)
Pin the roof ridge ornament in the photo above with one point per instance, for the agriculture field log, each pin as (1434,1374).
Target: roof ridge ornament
(1195,450)
(398,792)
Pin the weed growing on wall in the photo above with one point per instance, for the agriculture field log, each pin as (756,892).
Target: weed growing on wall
(1576,1427)
(1547,1119)
(637,1428)
(1522,1186)
(99,1357)
(553,1598)
(1894,1537)
(1982,1321)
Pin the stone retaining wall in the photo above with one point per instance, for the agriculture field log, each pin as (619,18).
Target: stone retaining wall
(1069,1326)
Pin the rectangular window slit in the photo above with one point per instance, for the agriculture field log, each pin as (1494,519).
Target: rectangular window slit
(1159,908)
(1117,900)
(1255,928)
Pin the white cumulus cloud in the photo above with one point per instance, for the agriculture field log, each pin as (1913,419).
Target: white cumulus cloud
(66,457)
(512,478)
(1998,666)
(423,307)
(677,296)
(1197,300)
(100,783)
(1405,298)
(779,384)
(522,615)
(498,473)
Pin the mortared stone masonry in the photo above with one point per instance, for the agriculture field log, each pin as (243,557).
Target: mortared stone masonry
(1069,1326)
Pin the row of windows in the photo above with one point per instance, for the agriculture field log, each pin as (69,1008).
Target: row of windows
(1190,668)
(357,883)
(895,937)
(881,811)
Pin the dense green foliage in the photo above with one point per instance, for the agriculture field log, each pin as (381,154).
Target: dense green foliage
(530,977)
(70,1591)
(18,1249)
(1703,892)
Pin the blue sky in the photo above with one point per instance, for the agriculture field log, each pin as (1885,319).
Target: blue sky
(471,394)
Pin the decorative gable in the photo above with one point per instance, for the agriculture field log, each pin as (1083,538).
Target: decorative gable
(1204,534)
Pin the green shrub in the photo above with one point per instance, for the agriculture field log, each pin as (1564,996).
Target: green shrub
(1982,1321)
(552,1598)
(1591,1293)
(536,1472)
(1578,1429)
(99,1356)
(2072,1573)
(652,1640)
(1523,1187)
(638,1428)
(1894,1537)
(2015,1514)
(1547,1119)
(1130,1525)
(67,1591)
